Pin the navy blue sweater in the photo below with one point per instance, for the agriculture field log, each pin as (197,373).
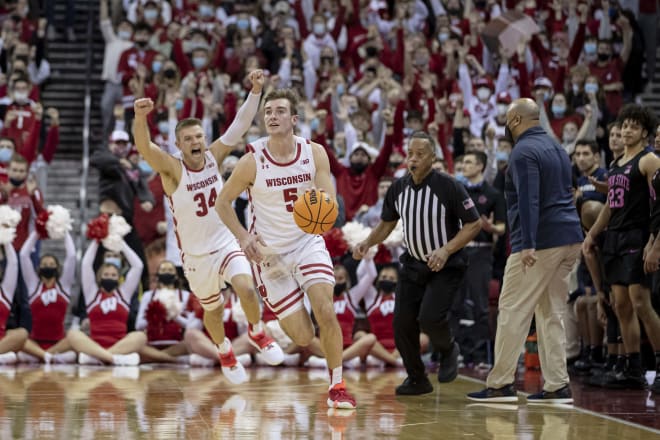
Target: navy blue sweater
(538,194)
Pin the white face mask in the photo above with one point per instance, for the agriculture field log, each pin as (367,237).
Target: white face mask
(501,109)
(21,97)
(319,29)
(483,93)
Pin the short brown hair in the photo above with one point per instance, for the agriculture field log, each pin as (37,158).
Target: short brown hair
(185,123)
(17,158)
(287,94)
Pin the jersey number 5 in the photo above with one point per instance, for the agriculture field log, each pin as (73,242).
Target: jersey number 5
(290,197)
(202,203)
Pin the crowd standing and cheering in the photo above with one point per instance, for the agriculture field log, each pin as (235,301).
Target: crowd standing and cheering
(383,90)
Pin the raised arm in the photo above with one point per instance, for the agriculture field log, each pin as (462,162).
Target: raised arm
(366,274)
(87,275)
(141,319)
(11,272)
(159,160)
(69,267)
(222,146)
(134,274)
(30,276)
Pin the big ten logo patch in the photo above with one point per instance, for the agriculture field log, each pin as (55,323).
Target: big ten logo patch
(304,162)
(386,307)
(49,297)
(109,305)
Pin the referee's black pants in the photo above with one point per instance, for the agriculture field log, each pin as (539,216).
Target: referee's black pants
(423,301)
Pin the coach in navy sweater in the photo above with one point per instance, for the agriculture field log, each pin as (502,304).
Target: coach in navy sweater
(545,244)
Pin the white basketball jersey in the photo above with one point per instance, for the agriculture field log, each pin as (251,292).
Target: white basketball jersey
(199,230)
(276,188)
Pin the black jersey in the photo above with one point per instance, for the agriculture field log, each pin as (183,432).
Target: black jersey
(655,206)
(629,195)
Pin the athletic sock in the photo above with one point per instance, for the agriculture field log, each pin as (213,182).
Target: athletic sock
(224,347)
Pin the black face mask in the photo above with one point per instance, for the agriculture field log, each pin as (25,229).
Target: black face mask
(47,272)
(339,288)
(166,279)
(169,73)
(358,168)
(603,56)
(108,284)
(508,135)
(141,44)
(386,286)
(226,176)
(454,11)
(395,164)
(16,182)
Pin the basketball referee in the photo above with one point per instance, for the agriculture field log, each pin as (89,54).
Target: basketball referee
(432,207)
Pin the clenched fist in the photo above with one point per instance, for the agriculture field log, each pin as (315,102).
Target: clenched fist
(143,106)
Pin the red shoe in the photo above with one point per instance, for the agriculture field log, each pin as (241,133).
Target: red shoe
(338,397)
(232,369)
(268,348)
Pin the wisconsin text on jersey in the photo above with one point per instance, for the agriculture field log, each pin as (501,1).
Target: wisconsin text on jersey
(290,180)
(202,184)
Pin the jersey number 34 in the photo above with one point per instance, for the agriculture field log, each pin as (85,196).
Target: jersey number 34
(204,204)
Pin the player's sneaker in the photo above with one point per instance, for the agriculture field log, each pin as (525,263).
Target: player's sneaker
(231,368)
(267,347)
(339,398)
(86,359)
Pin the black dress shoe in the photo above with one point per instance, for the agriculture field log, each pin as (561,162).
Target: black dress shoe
(414,387)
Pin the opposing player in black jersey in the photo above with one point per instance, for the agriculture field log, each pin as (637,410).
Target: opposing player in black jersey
(626,216)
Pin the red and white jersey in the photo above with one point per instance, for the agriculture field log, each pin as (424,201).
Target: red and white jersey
(108,316)
(275,189)
(48,307)
(380,316)
(345,312)
(5,311)
(198,227)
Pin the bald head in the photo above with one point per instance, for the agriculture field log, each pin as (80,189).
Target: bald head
(522,114)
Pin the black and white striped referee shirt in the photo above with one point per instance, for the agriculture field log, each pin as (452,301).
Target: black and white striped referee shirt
(432,212)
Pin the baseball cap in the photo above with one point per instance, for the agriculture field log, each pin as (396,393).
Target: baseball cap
(503,98)
(119,135)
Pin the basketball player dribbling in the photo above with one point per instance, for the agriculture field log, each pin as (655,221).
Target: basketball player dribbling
(276,169)
(208,249)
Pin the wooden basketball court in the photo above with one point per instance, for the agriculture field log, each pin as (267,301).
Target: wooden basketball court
(149,402)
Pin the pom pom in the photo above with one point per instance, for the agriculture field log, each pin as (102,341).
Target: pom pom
(156,316)
(170,300)
(40,224)
(354,233)
(7,235)
(9,217)
(97,229)
(117,229)
(59,222)
(395,239)
(334,241)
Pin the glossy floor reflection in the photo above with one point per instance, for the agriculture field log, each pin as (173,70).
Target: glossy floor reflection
(144,403)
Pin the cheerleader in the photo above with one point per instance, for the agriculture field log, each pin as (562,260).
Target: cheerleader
(11,340)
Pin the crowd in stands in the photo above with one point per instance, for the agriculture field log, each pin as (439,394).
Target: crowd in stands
(369,74)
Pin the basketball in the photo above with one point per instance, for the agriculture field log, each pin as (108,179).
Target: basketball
(315,212)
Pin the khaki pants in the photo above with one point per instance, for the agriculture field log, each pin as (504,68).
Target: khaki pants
(540,291)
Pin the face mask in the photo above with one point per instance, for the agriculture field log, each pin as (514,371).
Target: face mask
(314,124)
(358,168)
(150,14)
(483,93)
(115,261)
(199,62)
(21,97)
(108,284)
(421,61)
(243,24)
(558,110)
(352,109)
(156,66)
(205,10)
(501,109)
(339,288)
(395,164)
(546,96)
(16,182)
(47,272)
(603,56)
(6,154)
(454,11)
(124,35)
(166,278)
(178,105)
(251,138)
(443,36)
(226,176)
(164,127)
(340,89)
(386,286)
(591,88)
(590,48)
(576,88)
(145,167)
(508,135)
(169,73)
(141,44)
(407,132)
(319,29)
(501,156)
(460,177)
